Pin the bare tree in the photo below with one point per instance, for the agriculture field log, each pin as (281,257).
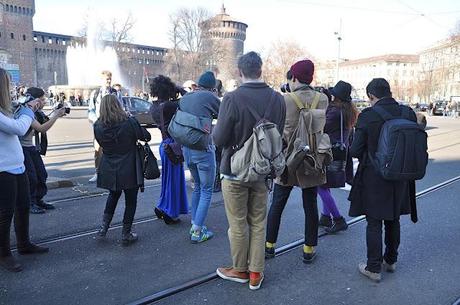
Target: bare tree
(193,49)
(280,57)
(120,29)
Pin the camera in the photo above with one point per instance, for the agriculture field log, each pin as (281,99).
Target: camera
(67,109)
(285,88)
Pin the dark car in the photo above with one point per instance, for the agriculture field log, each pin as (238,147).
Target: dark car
(422,107)
(140,109)
(439,107)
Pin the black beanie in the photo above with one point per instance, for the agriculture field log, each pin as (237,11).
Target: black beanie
(379,87)
(35,92)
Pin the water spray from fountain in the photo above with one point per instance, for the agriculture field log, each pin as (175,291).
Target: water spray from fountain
(86,62)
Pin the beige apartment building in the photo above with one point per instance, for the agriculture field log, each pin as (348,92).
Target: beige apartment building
(400,70)
(439,77)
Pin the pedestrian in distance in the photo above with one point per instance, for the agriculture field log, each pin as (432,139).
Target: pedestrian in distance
(35,168)
(341,115)
(379,199)
(173,198)
(201,103)
(302,96)
(245,202)
(14,184)
(117,134)
(94,112)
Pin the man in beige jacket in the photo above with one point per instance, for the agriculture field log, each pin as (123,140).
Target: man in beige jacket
(299,77)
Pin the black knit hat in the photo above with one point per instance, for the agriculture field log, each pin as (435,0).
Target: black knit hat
(378,87)
(35,92)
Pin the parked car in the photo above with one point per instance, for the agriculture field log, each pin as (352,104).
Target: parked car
(422,107)
(438,107)
(140,109)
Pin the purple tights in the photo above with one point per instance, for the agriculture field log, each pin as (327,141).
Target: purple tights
(329,207)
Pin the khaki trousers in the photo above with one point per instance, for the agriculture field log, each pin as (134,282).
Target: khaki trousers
(246,209)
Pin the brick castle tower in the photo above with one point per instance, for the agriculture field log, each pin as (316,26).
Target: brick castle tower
(17,53)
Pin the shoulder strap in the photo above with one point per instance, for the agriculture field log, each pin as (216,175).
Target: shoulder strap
(315,100)
(162,120)
(385,115)
(267,110)
(299,103)
(134,126)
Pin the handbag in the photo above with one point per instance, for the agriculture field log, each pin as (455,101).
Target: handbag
(173,150)
(190,130)
(335,172)
(148,161)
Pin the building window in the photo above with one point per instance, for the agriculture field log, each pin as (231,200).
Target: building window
(12,35)
(15,9)
(50,41)
(43,39)
(7,8)
(35,38)
(24,37)
(64,43)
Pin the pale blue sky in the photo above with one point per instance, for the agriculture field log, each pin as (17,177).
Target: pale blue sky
(369,27)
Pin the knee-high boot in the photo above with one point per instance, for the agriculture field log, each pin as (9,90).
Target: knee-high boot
(127,236)
(21,226)
(7,261)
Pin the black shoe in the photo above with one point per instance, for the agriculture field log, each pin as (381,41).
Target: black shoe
(10,263)
(340,224)
(159,213)
(269,252)
(46,206)
(127,236)
(170,221)
(34,209)
(325,221)
(32,249)
(308,258)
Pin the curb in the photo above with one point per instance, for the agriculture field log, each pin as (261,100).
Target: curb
(56,184)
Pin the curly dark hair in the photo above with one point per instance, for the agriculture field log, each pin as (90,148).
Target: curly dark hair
(163,88)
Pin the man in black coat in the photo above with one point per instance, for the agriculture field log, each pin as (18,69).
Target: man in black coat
(371,195)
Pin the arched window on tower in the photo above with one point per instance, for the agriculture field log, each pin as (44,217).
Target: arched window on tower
(15,9)
(7,7)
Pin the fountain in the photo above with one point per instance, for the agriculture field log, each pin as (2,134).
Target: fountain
(86,62)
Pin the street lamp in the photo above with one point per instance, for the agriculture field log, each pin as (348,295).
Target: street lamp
(339,39)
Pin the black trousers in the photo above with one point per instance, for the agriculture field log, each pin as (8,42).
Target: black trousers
(36,173)
(310,207)
(14,201)
(130,202)
(374,242)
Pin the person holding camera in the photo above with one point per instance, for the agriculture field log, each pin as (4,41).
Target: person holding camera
(33,161)
(341,116)
(14,183)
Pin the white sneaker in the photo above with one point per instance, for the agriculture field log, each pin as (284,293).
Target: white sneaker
(93,179)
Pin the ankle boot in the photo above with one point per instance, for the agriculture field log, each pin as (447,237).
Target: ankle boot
(9,263)
(106,219)
(325,221)
(340,224)
(21,226)
(127,237)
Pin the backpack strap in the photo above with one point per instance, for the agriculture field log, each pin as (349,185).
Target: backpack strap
(267,110)
(299,103)
(385,115)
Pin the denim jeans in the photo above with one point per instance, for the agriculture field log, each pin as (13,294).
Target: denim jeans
(202,166)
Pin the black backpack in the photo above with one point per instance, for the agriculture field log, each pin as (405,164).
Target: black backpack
(402,148)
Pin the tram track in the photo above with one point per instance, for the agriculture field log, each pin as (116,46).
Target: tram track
(168,292)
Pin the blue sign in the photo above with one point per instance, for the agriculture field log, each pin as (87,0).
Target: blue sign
(15,76)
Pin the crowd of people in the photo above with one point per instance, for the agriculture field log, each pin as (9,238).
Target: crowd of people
(314,134)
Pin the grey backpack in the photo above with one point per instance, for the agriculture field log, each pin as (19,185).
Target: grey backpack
(261,158)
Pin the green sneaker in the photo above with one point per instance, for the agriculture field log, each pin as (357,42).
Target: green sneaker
(204,235)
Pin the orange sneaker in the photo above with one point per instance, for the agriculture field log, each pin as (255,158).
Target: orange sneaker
(255,280)
(231,274)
